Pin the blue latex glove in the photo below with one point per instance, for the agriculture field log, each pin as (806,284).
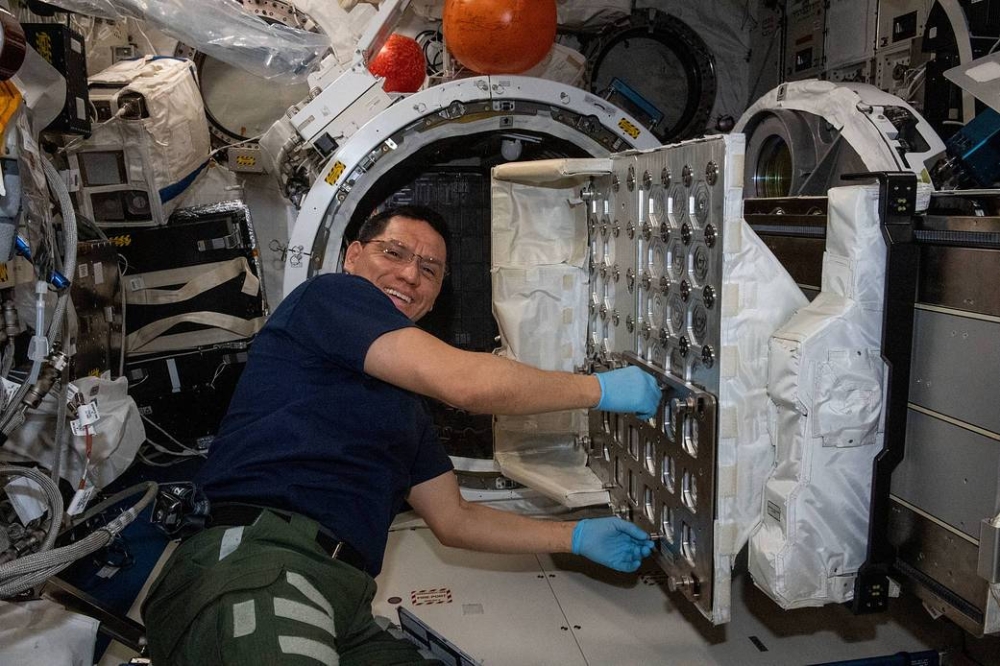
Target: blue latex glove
(630,390)
(612,542)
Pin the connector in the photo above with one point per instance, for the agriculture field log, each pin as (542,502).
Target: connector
(12,325)
(52,368)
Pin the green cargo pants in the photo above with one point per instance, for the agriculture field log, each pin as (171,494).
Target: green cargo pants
(265,594)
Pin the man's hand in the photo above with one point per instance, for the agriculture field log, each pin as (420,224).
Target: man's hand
(630,390)
(612,542)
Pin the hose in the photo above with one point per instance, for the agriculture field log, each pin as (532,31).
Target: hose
(52,494)
(28,571)
(70,239)
(58,187)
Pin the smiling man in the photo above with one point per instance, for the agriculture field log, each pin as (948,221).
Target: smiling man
(325,438)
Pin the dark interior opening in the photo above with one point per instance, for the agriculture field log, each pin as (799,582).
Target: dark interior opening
(453,177)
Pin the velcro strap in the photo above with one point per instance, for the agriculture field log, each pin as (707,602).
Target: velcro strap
(222,328)
(141,289)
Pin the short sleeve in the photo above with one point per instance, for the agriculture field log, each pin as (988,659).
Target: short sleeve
(339,317)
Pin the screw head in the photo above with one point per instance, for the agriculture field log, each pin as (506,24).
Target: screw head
(707,356)
(711,235)
(712,173)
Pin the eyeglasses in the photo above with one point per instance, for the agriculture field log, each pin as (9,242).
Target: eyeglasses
(398,253)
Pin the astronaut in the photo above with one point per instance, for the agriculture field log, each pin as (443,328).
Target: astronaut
(327,435)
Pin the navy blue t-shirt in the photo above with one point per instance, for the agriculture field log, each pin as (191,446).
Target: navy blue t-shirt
(308,431)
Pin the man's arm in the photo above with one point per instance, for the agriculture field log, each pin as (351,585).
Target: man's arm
(462,524)
(417,361)
(455,522)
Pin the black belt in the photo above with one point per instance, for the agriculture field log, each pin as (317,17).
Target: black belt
(247,514)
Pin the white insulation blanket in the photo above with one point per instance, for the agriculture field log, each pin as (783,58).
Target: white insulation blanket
(826,382)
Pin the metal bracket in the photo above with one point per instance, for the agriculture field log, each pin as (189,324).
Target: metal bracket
(897,205)
(989,550)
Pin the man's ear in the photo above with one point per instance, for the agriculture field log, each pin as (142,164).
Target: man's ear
(354,251)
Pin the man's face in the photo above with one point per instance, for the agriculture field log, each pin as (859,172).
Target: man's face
(410,284)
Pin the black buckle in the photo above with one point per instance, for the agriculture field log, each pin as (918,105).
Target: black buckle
(180,509)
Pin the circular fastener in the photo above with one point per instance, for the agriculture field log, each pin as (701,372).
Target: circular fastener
(615,183)
(664,284)
(647,180)
(630,280)
(593,308)
(605,229)
(709,296)
(712,173)
(687,176)
(686,233)
(616,229)
(592,225)
(664,337)
(685,291)
(630,230)
(616,273)
(604,271)
(707,356)
(644,330)
(604,312)
(615,317)
(665,177)
(630,179)
(664,233)
(629,324)
(646,231)
(683,346)
(591,266)
(710,235)
(645,281)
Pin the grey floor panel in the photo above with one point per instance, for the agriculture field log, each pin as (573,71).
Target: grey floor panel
(517,609)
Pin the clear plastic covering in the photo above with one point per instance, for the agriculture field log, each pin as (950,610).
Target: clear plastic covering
(223,30)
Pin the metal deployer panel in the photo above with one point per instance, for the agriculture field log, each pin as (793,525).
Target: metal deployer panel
(655,230)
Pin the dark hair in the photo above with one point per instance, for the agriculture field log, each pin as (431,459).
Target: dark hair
(377,223)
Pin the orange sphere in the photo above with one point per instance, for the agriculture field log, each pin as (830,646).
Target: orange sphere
(401,62)
(499,36)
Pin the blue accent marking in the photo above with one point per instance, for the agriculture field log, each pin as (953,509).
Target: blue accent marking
(171,191)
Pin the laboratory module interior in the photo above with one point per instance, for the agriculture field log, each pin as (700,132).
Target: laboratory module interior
(787,212)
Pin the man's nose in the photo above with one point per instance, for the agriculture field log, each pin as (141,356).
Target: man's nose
(411,271)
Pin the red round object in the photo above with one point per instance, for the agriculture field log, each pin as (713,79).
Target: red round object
(401,62)
(499,36)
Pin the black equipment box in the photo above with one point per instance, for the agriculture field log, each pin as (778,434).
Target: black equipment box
(96,295)
(201,240)
(186,394)
(64,49)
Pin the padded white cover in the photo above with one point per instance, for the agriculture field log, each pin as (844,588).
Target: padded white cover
(539,255)
(173,142)
(826,382)
(116,436)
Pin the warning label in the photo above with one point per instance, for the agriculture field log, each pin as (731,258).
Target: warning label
(441,595)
